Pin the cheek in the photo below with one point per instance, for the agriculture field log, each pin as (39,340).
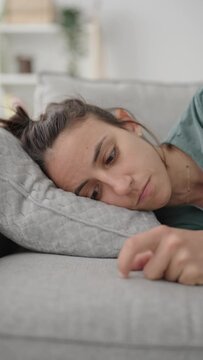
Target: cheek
(166,190)
(162,189)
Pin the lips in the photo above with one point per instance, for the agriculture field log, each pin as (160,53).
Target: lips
(143,192)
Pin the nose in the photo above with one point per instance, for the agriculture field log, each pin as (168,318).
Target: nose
(121,184)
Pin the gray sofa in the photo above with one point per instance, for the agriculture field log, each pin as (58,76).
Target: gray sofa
(74,307)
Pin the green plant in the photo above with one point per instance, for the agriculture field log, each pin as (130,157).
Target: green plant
(72,24)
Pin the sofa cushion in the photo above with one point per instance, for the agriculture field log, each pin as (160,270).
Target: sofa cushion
(156,105)
(78,308)
(38,216)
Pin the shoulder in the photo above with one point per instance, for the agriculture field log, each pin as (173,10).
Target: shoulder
(197,106)
(194,111)
(191,119)
(187,134)
(198,96)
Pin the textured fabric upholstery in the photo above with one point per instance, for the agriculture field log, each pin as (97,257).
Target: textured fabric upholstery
(156,105)
(59,307)
(65,307)
(38,216)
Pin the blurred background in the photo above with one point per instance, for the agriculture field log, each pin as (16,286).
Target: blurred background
(158,40)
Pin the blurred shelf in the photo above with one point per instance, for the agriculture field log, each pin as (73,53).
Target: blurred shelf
(18,79)
(6,28)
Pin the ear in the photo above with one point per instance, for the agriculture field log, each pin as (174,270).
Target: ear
(129,122)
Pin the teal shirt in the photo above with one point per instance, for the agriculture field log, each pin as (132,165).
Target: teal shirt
(187,135)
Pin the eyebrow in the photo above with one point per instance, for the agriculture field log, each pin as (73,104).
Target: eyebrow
(97,151)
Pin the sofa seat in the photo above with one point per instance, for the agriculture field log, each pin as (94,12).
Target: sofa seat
(59,307)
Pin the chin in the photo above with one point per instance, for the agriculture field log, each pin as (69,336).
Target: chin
(156,204)
(164,201)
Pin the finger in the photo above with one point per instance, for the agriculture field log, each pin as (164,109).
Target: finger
(138,244)
(179,261)
(141,260)
(192,274)
(156,267)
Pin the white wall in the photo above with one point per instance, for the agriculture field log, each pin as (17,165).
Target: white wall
(150,39)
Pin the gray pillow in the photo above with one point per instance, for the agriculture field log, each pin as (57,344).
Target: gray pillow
(38,216)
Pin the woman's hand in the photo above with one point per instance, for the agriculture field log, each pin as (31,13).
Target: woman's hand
(165,253)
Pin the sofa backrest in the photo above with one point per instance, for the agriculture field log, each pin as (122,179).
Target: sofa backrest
(157,105)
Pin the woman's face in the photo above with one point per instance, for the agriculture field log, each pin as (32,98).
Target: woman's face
(110,164)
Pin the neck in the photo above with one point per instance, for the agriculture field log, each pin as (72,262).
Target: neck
(186,178)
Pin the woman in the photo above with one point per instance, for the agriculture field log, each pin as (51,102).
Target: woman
(105,156)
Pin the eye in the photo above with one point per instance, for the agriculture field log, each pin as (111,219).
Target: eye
(95,193)
(110,159)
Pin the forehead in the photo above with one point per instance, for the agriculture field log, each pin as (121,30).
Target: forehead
(72,152)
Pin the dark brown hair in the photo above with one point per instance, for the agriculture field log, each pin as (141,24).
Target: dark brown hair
(37,136)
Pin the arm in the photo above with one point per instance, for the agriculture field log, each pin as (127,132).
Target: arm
(165,253)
